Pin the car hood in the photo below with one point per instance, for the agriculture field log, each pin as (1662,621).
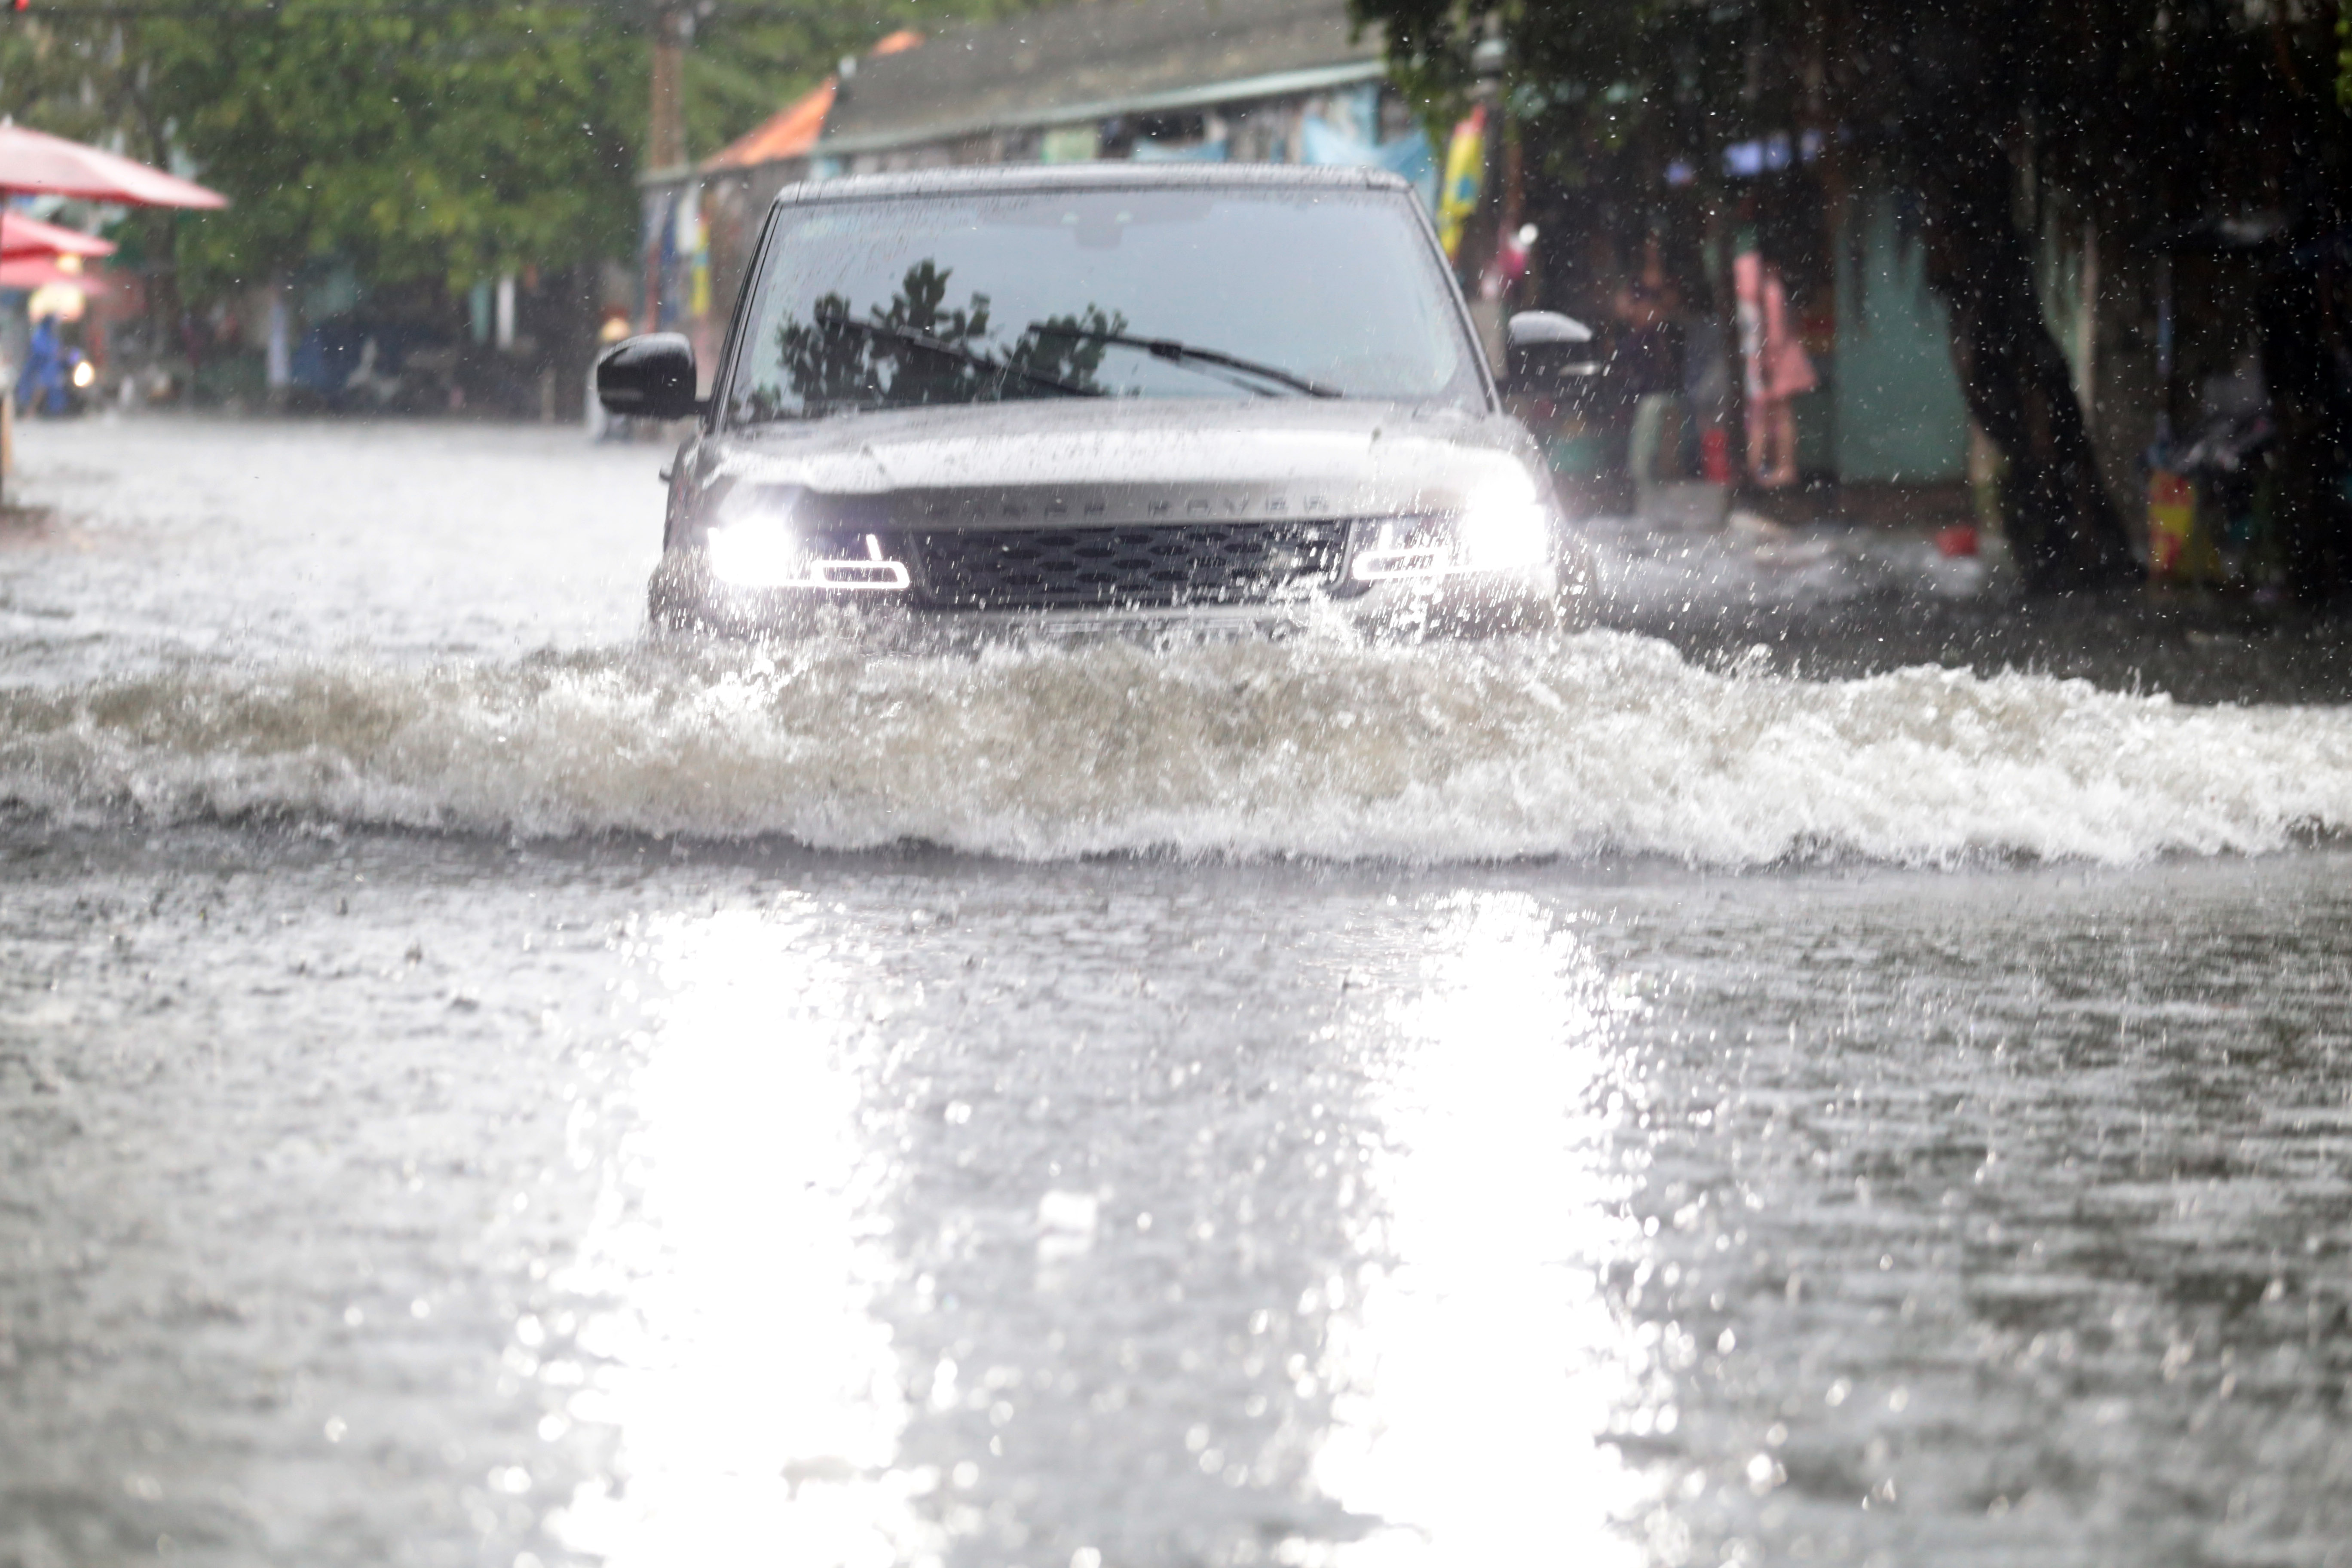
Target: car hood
(1135,460)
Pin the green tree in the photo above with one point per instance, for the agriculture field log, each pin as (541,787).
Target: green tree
(418,139)
(2344,58)
(416,142)
(454,144)
(2000,117)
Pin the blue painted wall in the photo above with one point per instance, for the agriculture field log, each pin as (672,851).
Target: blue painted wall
(1899,413)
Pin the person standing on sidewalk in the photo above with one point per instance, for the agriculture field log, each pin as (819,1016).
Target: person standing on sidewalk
(1779,369)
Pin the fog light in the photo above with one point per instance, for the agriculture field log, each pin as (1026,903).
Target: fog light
(872,570)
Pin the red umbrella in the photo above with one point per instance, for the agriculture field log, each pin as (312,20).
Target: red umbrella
(33,161)
(25,238)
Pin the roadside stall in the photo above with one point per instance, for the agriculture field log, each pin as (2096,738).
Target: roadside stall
(45,260)
(33,163)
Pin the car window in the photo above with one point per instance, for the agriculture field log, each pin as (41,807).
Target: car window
(902,302)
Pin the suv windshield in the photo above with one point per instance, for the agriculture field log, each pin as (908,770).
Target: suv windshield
(1172,292)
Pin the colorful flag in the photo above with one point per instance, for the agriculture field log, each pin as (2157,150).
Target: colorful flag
(1466,174)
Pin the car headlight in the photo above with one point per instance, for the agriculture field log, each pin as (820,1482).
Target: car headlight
(1496,531)
(755,541)
(755,555)
(1501,533)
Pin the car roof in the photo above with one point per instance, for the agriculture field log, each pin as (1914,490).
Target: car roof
(995,179)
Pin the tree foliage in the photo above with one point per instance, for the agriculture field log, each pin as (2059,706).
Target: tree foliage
(461,145)
(2143,110)
(416,143)
(2344,58)
(416,139)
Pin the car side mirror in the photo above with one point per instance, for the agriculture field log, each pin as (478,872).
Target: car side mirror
(1547,355)
(648,377)
(1530,329)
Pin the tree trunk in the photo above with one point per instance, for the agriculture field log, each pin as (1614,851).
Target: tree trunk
(2062,525)
(162,288)
(666,134)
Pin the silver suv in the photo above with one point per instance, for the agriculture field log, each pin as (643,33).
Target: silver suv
(1102,394)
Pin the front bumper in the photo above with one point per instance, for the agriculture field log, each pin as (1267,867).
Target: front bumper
(685,596)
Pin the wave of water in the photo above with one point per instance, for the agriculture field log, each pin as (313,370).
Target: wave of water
(1594,743)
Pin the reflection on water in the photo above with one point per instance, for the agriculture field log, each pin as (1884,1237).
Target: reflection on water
(1482,1362)
(1117,1200)
(934,1211)
(891,1279)
(754,1397)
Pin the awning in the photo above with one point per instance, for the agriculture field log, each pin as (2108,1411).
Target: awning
(793,130)
(790,133)
(34,162)
(22,237)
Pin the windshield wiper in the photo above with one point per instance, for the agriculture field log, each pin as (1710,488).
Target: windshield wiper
(1183,353)
(930,345)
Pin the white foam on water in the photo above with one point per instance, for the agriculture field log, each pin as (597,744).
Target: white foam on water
(1580,745)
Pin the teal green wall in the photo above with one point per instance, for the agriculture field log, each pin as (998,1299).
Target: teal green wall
(1899,414)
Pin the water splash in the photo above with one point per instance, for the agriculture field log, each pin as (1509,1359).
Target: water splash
(1594,743)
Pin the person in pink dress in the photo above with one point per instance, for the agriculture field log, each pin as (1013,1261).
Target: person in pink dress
(1778,369)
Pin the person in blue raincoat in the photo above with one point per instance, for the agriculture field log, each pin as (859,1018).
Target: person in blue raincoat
(42,386)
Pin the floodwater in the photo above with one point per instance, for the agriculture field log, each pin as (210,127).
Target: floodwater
(479,1089)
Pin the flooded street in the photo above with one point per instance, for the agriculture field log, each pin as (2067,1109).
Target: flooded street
(479,1087)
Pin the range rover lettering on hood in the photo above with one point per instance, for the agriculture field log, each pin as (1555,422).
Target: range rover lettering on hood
(1171,508)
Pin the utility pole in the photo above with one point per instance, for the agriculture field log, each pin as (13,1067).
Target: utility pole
(665,145)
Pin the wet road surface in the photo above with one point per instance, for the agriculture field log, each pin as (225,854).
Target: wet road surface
(425,1138)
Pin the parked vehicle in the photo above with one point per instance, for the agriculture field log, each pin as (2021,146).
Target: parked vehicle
(1107,393)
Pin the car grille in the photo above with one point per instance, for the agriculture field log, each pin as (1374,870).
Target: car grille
(1171,564)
